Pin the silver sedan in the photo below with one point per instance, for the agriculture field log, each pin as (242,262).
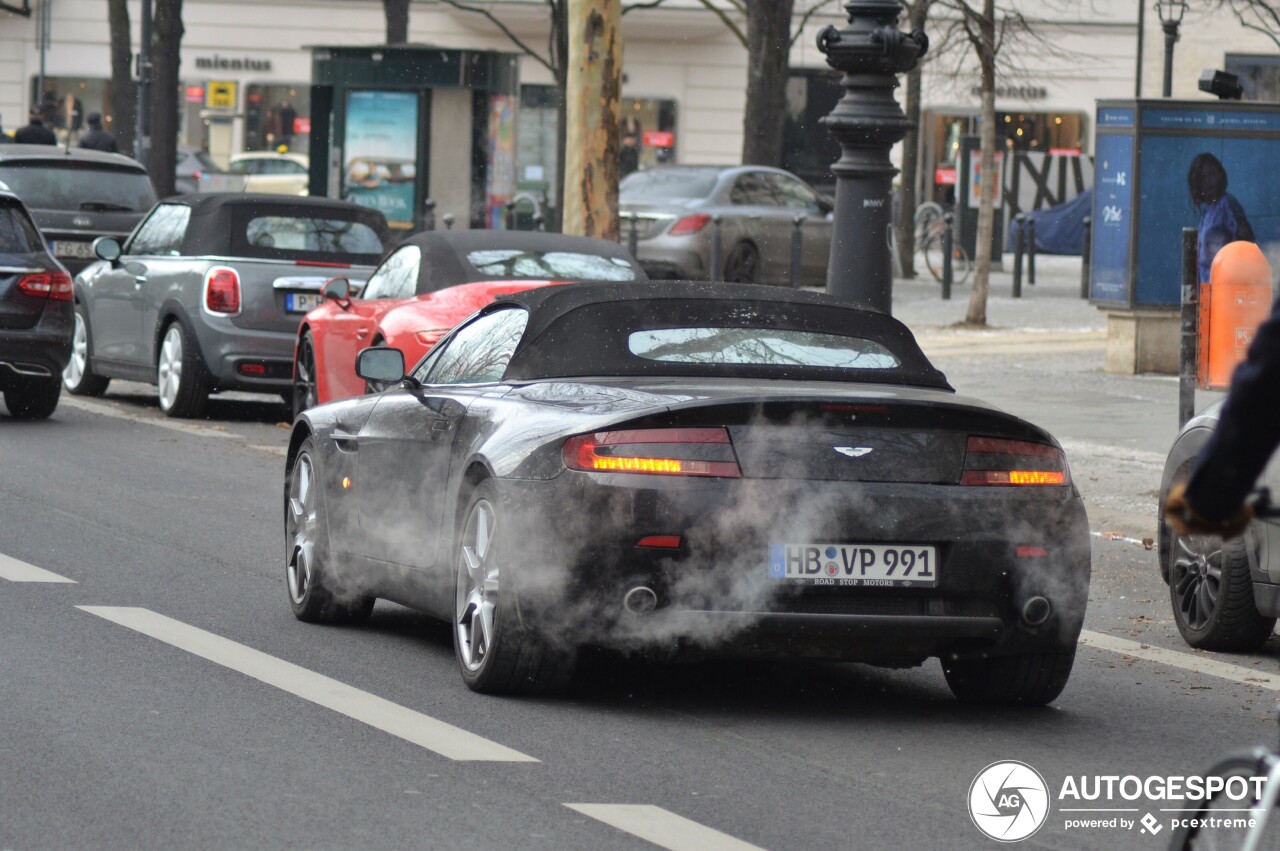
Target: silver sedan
(676,210)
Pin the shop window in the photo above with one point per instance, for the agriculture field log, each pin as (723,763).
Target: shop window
(67,101)
(1259,75)
(277,116)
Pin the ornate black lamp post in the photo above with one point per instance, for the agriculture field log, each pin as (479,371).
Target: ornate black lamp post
(1170,12)
(866,122)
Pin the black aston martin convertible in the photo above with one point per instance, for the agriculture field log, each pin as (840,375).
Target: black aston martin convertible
(691,470)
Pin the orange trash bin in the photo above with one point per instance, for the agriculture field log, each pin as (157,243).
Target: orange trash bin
(1234,302)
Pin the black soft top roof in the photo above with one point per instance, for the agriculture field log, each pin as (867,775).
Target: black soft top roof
(444,253)
(582,330)
(217,227)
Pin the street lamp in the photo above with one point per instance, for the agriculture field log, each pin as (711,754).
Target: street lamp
(1170,12)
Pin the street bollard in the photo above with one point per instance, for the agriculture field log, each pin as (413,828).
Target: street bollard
(1190,331)
(539,222)
(1019,235)
(633,236)
(448,221)
(429,217)
(715,247)
(948,253)
(796,236)
(510,208)
(1086,257)
(1031,250)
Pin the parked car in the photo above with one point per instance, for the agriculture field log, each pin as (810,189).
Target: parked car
(674,208)
(35,315)
(272,173)
(1225,595)
(77,195)
(192,166)
(603,464)
(428,285)
(207,293)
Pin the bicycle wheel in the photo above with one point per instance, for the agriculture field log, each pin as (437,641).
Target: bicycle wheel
(962,264)
(928,221)
(931,250)
(1223,821)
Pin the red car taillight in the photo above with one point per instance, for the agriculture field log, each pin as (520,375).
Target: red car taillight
(222,291)
(691,223)
(994,461)
(655,451)
(55,286)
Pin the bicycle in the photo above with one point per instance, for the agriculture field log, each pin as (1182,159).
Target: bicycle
(930,226)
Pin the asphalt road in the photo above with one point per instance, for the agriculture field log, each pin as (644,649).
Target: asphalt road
(166,697)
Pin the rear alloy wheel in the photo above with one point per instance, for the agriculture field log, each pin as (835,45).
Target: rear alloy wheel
(496,653)
(33,400)
(304,377)
(1212,593)
(78,375)
(742,265)
(1028,679)
(179,387)
(312,594)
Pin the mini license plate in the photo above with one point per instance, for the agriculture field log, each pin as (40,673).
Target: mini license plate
(302,302)
(851,565)
(69,248)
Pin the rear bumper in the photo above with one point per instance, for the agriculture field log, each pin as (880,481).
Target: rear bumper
(39,353)
(229,351)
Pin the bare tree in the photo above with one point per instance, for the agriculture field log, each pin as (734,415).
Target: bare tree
(1261,16)
(124,93)
(905,238)
(165,57)
(397,12)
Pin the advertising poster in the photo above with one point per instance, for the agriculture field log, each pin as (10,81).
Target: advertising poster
(1113,212)
(380,152)
(501,183)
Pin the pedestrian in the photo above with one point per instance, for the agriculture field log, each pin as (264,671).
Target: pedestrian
(98,139)
(35,133)
(1222,219)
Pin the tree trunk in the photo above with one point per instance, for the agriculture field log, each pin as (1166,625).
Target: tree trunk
(397,21)
(977,314)
(594,118)
(907,196)
(560,61)
(165,45)
(768,50)
(124,94)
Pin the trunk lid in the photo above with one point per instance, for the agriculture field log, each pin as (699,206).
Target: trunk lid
(275,295)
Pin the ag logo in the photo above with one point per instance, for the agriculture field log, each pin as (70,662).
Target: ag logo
(1008,801)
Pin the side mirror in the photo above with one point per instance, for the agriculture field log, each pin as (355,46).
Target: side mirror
(381,364)
(338,289)
(107,248)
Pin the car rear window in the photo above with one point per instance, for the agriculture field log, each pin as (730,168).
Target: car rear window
(760,347)
(321,235)
(663,184)
(54,185)
(19,238)
(506,264)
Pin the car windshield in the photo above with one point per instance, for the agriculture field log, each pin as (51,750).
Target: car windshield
(761,347)
(664,184)
(45,185)
(550,265)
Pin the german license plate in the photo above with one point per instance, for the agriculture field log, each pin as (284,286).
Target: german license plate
(68,248)
(884,565)
(302,302)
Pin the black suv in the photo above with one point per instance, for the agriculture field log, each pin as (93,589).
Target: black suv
(36,316)
(77,195)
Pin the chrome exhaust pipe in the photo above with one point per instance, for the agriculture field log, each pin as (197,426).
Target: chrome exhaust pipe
(1036,611)
(640,600)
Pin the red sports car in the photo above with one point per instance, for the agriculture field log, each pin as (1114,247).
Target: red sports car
(429,284)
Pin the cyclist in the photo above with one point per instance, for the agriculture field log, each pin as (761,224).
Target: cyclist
(1248,431)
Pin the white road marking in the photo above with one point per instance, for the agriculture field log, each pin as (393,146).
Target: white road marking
(19,571)
(1185,661)
(662,827)
(105,410)
(414,727)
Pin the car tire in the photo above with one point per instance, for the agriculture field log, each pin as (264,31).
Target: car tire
(1196,828)
(1211,592)
(496,652)
(742,265)
(1033,678)
(314,595)
(180,386)
(304,376)
(78,376)
(33,400)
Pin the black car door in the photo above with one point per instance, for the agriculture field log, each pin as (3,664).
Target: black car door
(408,444)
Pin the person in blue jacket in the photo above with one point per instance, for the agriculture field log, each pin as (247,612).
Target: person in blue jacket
(1222,219)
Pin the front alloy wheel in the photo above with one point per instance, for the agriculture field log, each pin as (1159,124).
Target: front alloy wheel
(1212,593)
(477,588)
(304,377)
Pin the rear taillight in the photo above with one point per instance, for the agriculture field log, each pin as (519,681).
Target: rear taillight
(55,286)
(995,461)
(654,451)
(691,223)
(222,291)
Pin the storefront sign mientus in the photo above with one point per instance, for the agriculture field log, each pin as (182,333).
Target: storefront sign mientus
(236,63)
(1023,92)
